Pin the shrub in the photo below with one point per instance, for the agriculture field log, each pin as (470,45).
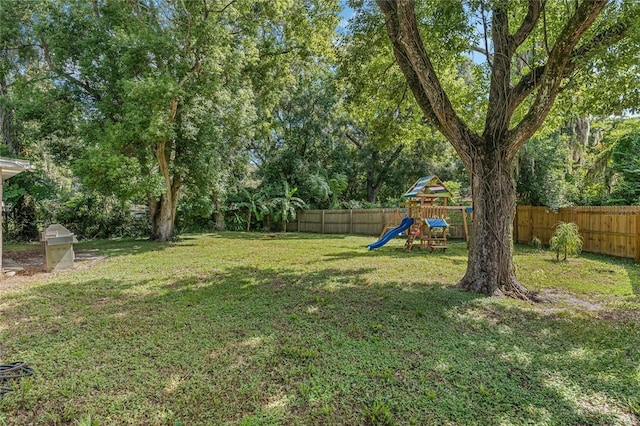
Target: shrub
(535,242)
(566,240)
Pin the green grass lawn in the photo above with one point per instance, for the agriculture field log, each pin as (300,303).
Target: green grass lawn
(257,329)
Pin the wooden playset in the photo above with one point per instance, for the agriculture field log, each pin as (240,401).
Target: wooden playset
(427,205)
(426,220)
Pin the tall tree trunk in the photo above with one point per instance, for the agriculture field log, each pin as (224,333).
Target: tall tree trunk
(162,219)
(218,213)
(163,208)
(372,187)
(375,181)
(490,269)
(7,120)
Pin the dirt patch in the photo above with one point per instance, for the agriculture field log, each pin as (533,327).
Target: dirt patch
(26,265)
(557,302)
(565,299)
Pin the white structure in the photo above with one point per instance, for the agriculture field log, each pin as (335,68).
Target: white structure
(57,244)
(8,169)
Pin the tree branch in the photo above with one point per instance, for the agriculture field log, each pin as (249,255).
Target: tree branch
(354,140)
(485,52)
(227,6)
(529,23)
(402,28)
(558,64)
(386,166)
(588,49)
(499,111)
(485,32)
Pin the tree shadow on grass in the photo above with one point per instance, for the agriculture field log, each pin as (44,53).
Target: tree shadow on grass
(273,235)
(453,252)
(323,347)
(122,247)
(633,270)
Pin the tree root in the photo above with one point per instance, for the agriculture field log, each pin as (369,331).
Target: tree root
(513,288)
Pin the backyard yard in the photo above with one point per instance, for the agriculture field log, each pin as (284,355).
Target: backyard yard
(267,329)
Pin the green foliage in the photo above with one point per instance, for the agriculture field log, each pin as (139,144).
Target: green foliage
(541,172)
(195,213)
(626,165)
(337,185)
(91,215)
(160,99)
(601,166)
(255,204)
(284,206)
(536,243)
(25,199)
(235,221)
(566,240)
(389,146)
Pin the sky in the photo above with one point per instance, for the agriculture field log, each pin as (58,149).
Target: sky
(345,15)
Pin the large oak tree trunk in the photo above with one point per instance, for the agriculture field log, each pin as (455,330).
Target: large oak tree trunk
(490,269)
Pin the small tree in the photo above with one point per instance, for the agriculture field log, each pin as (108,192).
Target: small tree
(566,240)
(284,207)
(255,205)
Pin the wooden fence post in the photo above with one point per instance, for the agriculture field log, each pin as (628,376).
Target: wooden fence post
(637,237)
(351,221)
(322,226)
(299,214)
(531,225)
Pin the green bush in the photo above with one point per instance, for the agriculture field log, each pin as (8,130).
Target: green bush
(566,240)
(91,216)
(535,242)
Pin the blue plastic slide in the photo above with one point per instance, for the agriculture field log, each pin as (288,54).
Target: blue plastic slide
(404,225)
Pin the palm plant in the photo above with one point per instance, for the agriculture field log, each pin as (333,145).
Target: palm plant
(255,205)
(337,184)
(566,240)
(284,207)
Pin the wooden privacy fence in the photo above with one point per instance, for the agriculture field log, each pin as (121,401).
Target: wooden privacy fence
(607,230)
(360,221)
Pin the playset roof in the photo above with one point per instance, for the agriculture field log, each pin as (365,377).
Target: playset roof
(429,186)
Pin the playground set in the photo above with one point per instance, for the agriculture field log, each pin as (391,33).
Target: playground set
(427,209)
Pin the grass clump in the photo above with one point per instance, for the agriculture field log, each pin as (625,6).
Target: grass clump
(378,413)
